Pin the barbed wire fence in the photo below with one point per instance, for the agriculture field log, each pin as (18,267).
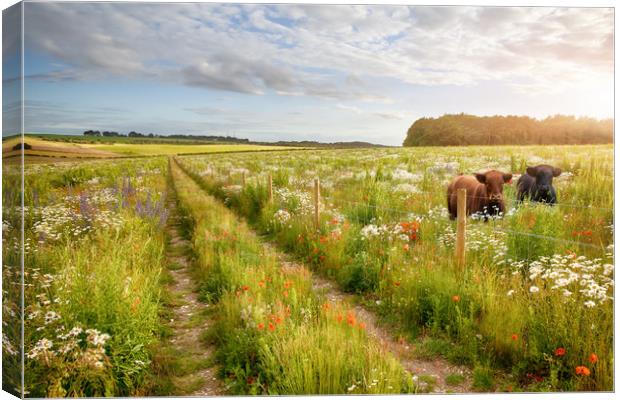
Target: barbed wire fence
(242,179)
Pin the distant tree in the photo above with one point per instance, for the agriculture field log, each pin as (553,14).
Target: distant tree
(110,133)
(92,133)
(463,129)
(135,134)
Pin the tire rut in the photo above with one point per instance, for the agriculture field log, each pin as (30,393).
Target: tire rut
(439,369)
(188,321)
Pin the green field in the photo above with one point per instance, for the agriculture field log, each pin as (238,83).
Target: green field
(168,275)
(45,147)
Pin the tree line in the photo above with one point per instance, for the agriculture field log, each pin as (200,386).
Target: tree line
(134,134)
(464,129)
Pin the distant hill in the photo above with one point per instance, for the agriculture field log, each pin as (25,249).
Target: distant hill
(464,129)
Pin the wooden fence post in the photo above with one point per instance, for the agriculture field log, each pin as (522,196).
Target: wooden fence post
(243,179)
(317,200)
(270,188)
(461,221)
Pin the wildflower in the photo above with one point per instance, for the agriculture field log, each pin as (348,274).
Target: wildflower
(589,304)
(51,316)
(514,337)
(593,358)
(510,293)
(135,304)
(362,326)
(245,288)
(325,306)
(560,351)
(339,318)
(406,247)
(350,319)
(272,327)
(456,298)
(288,284)
(260,326)
(534,289)
(261,283)
(397,283)
(582,370)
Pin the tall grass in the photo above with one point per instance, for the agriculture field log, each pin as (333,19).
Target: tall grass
(93,258)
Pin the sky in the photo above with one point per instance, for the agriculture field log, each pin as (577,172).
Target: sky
(304,72)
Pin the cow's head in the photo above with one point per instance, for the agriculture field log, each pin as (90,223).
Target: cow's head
(544,175)
(494,184)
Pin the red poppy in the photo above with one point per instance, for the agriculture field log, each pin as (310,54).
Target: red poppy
(272,327)
(456,298)
(285,293)
(245,288)
(322,258)
(350,319)
(560,351)
(339,318)
(326,306)
(362,325)
(261,284)
(397,283)
(514,337)
(288,284)
(260,326)
(593,358)
(406,247)
(582,370)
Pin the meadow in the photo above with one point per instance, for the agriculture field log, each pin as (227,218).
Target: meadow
(535,297)
(532,309)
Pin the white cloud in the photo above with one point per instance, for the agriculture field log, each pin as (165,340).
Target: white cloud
(352,109)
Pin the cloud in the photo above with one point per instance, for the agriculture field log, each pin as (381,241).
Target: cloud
(352,109)
(306,49)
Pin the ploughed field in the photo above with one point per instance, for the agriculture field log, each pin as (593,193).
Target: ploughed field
(532,309)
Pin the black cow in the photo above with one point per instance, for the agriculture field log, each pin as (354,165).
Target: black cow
(537,184)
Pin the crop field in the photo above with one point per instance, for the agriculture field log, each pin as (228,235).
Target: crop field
(42,149)
(181,276)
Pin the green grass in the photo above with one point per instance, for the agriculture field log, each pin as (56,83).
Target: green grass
(455,379)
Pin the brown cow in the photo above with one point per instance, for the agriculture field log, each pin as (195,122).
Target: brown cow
(484,192)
